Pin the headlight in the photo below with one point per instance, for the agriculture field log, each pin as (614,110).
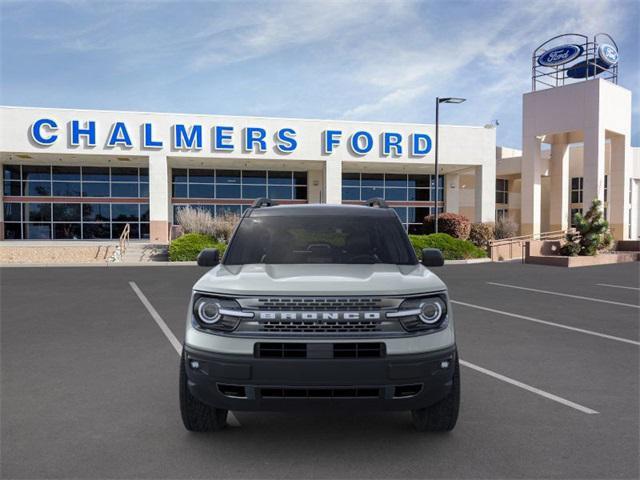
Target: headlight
(217,313)
(424,313)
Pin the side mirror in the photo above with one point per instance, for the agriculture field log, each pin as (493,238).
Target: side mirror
(432,257)
(209,257)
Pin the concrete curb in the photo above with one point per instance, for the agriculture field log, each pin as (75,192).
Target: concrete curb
(467,262)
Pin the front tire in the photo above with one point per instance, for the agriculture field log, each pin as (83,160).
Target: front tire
(442,416)
(198,416)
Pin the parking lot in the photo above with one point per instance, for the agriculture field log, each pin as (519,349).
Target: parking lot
(550,384)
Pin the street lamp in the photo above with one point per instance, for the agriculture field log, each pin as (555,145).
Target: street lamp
(438,102)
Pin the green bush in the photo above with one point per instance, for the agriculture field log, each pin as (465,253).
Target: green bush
(458,226)
(187,247)
(591,235)
(452,248)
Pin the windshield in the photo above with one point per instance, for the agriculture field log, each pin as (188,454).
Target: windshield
(320,239)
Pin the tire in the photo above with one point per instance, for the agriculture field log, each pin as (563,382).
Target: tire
(198,416)
(442,416)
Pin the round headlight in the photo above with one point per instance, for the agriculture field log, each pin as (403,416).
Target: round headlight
(431,311)
(209,312)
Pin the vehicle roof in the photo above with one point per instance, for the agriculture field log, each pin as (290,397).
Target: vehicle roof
(321,209)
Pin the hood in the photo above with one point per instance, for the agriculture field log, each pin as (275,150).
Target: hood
(319,279)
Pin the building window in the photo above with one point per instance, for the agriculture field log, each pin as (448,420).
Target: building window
(502,191)
(88,210)
(576,189)
(572,221)
(233,186)
(502,213)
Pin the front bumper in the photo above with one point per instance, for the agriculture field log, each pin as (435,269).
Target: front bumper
(393,382)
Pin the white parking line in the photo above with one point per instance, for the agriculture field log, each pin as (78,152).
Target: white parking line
(617,286)
(545,322)
(590,299)
(529,388)
(231,419)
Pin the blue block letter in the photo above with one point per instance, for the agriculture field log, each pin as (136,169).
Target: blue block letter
(222,136)
(421,144)
(253,136)
(183,139)
(119,136)
(286,142)
(392,140)
(330,140)
(147,138)
(89,131)
(355,142)
(36,131)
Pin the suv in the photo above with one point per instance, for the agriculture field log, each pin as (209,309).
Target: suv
(319,306)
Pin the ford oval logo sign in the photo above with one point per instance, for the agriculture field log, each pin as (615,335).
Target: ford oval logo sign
(608,54)
(560,55)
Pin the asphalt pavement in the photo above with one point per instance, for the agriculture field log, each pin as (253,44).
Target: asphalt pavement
(550,384)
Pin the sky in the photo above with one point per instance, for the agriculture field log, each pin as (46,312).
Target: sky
(345,60)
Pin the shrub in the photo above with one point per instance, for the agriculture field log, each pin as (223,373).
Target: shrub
(198,220)
(481,234)
(592,233)
(458,226)
(188,246)
(452,248)
(505,228)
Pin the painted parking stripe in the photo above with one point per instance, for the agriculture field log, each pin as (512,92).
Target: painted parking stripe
(579,297)
(617,286)
(529,388)
(545,322)
(231,419)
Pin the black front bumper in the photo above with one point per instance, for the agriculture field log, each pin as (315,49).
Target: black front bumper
(399,382)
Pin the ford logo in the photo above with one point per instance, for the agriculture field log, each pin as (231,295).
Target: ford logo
(560,55)
(608,54)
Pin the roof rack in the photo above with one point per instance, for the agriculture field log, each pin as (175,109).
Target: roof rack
(263,202)
(376,202)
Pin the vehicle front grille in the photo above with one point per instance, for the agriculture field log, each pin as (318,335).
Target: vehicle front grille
(320,326)
(341,304)
(319,351)
(319,392)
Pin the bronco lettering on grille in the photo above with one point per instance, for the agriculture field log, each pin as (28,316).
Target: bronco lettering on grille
(319,315)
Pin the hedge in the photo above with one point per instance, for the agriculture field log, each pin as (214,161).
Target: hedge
(187,247)
(452,248)
(458,226)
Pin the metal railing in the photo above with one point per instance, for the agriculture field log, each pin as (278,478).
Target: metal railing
(519,243)
(123,241)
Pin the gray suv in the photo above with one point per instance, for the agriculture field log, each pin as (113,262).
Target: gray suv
(319,306)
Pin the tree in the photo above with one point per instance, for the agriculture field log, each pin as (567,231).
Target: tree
(591,235)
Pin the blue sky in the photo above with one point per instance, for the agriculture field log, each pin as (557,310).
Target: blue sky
(355,60)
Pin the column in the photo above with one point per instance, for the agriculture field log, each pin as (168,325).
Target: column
(619,186)
(452,192)
(531,172)
(485,191)
(559,204)
(593,166)
(333,181)
(159,199)
(315,188)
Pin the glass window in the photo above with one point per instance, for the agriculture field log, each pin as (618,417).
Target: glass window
(144,212)
(12,188)
(351,179)
(36,172)
(300,178)
(372,180)
(37,212)
(71,231)
(96,212)
(95,174)
(395,194)
(11,172)
(124,190)
(419,195)
(258,177)
(37,189)
(13,231)
(37,231)
(279,178)
(12,212)
(576,189)
(144,174)
(402,213)
(96,230)
(502,190)
(351,193)
(66,173)
(372,192)
(144,190)
(121,174)
(228,191)
(227,176)
(179,175)
(201,190)
(93,189)
(144,230)
(281,192)
(395,180)
(117,228)
(418,181)
(201,176)
(179,190)
(300,193)
(228,210)
(66,212)
(124,212)
(66,189)
(254,191)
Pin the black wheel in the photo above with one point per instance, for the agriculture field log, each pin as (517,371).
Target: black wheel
(198,416)
(442,416)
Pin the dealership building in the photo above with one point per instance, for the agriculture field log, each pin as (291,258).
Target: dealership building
(85,174)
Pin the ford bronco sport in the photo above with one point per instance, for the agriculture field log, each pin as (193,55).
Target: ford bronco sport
(319,306)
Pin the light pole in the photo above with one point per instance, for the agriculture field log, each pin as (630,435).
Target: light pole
(438,102)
